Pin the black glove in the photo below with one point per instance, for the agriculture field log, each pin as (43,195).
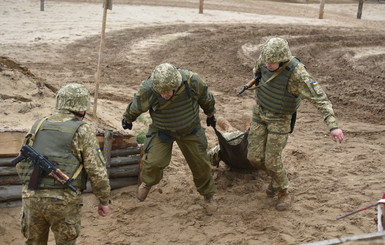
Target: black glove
(126,125)
(211,121)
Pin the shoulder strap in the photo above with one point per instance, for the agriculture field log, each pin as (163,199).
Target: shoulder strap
(180,90)
(275,74)
(30,137)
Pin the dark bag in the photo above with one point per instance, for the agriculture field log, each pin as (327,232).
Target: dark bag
(234,155)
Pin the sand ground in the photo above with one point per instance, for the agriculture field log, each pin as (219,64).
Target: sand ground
(41,51)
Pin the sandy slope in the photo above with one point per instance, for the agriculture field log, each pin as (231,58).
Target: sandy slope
(346,55)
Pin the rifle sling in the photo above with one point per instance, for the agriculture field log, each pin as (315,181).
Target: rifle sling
(30,137)
(275,74)
(77,172)
(180,90)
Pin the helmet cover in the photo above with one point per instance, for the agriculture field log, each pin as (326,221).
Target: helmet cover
(165,78)
(73,97)
(276,50)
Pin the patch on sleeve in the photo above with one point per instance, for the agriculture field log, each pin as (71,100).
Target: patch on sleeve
(99,156)
(317,88)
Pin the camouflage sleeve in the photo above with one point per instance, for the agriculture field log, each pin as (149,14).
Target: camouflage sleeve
(301,83)
(258,65)
(140,103)
(206,99)
(86,148)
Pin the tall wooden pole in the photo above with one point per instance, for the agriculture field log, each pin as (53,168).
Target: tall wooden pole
(201,6)
(321,9)
(41,5)
(106,5)
(360,5)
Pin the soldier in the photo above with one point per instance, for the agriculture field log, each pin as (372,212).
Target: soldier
(173,97)
(67,141)
(284,81)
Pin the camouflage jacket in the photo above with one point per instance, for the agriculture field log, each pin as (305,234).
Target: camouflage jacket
(302,84)
(86,149)
(147,99)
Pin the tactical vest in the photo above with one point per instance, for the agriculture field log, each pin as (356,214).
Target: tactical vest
(54,141)
(273,95)
(182,115)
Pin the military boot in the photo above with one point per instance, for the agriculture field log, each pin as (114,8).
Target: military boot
(143,191)
(210,205)
(284,200)
(271,191)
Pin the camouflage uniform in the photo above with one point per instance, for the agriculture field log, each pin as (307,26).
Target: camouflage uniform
(213,153)
(59,207)
(177,121)
(269,130)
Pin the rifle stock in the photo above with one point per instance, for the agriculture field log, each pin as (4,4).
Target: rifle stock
(42,164)
(248,85)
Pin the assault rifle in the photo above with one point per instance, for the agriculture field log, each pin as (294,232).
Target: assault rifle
(41,163)
(255,81)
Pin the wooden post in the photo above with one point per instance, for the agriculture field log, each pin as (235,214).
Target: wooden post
(41,5)
(107,4)
(321,9)
(380,217)
(380,213)
(360,5)
(201,6)
(108,137)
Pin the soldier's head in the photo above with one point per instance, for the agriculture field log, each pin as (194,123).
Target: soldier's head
(73,97)
(165,78)
(275,50)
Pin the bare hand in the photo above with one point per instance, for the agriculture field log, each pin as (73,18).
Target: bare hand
(337,135)
(103,210)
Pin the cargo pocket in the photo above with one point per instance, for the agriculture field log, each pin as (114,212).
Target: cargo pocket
(24,228)
(149,139)
(70,228)
(202,139)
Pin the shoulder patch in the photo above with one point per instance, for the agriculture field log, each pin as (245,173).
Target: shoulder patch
(317,88)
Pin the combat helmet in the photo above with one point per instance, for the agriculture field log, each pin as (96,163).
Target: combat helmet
(165,78)
(276,50)
(73,97)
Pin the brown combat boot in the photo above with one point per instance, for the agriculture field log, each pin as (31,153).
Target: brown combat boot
(142,191)
(271,191)
(210,205)
(284,200)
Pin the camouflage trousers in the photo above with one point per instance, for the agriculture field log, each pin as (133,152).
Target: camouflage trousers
(157,156)
(267,139)
(40,214)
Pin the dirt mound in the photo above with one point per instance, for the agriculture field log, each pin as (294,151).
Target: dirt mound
(327,180)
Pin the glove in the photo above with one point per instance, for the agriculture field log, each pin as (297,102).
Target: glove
(126,125)
(211,121)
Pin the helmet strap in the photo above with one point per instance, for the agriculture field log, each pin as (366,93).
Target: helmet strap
(80,115)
